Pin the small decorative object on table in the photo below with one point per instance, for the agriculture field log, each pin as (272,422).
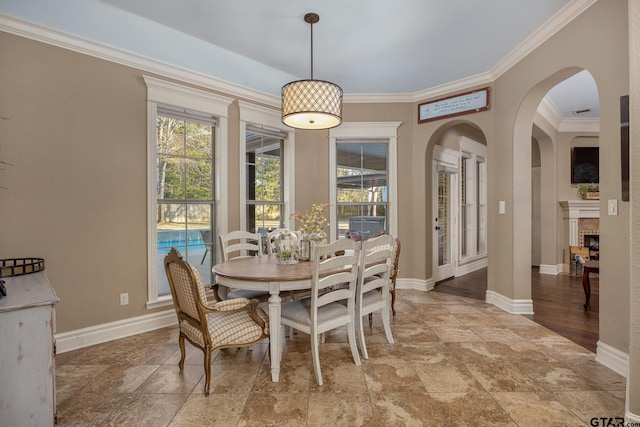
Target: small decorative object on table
(311,228)
(287,248)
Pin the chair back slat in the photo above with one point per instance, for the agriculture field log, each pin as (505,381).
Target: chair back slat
(240,244)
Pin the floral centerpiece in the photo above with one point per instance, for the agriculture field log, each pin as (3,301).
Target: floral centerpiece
(311,226)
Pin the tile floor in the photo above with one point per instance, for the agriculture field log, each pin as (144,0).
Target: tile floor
(455,362)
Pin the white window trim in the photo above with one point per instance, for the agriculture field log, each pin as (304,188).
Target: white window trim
(475,150)
(367,130)
(172,94)
(269,118)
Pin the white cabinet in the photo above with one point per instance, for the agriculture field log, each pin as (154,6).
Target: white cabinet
(27,364)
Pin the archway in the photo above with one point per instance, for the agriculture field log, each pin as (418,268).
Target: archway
(456,161)
(525,129)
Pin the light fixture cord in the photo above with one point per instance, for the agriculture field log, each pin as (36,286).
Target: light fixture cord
(311,50)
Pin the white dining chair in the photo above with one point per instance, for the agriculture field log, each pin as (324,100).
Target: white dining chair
(239,244)
(374,280)
(333,265)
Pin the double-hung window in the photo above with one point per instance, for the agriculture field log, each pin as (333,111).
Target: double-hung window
(364,175)
(186,156)
(264,179)
(185,206)
(266,169)
(473,199)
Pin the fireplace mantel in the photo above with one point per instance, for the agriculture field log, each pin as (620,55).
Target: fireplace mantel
(573,210)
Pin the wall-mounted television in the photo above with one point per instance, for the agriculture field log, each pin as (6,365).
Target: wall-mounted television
(585,165)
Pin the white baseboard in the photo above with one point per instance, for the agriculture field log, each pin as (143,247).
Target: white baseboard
(470,267)
(550,269)
(416,284)
(612,358)
(513,306)
(79,338)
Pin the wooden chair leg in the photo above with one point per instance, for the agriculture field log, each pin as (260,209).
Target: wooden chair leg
(207,370)
(393,301)
(182,351)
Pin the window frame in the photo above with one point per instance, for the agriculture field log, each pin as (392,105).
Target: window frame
(375,132)
(257,116)
(160,92)
(474,153)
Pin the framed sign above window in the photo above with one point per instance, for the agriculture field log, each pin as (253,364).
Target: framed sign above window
(456,105)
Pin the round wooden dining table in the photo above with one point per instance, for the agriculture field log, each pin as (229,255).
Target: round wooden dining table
(264,274)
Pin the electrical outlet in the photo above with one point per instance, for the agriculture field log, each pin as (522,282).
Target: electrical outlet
(124,299)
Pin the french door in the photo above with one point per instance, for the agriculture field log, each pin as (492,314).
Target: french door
(444,220)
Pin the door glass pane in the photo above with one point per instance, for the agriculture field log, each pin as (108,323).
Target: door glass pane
(443,219)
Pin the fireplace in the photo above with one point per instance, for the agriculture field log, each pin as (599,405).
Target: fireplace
(592,241)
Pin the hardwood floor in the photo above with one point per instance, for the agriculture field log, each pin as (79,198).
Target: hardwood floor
(557,302)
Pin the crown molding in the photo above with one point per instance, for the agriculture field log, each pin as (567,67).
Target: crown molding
(67,41)
(591,125)
(64,40)
(548,110)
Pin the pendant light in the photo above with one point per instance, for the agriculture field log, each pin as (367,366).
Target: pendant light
(311,104)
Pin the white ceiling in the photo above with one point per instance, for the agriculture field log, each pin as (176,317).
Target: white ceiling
(372,47)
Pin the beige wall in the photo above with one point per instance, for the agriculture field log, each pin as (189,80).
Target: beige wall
(76,133)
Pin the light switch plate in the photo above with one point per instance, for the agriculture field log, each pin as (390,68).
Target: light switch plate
(502,207)
(612,207)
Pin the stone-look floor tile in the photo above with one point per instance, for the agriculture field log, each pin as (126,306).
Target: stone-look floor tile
(422,353)
(474,352)
(591,404)
(275,409)
(241,355)
(148,354)
(603,377)
(66,357)
(496,334)
(413,334)
(72,378)
(120,379)
(556,377)
(456,334)
(168,335)
(442,320)
(502,377)
(169,379)
(340,410)
(385,353)
(462,308)
(146,410)
(476,408)
(392,378)
(537,409)
(219,410)
(567,351)
(407,409)
(294,378)
(512,319)
(342,378)
(228,379)
(108,353)
(446,377)
(522,352)
(87,409)
(536,333)
(419,297)
(193,355)
(476,319)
